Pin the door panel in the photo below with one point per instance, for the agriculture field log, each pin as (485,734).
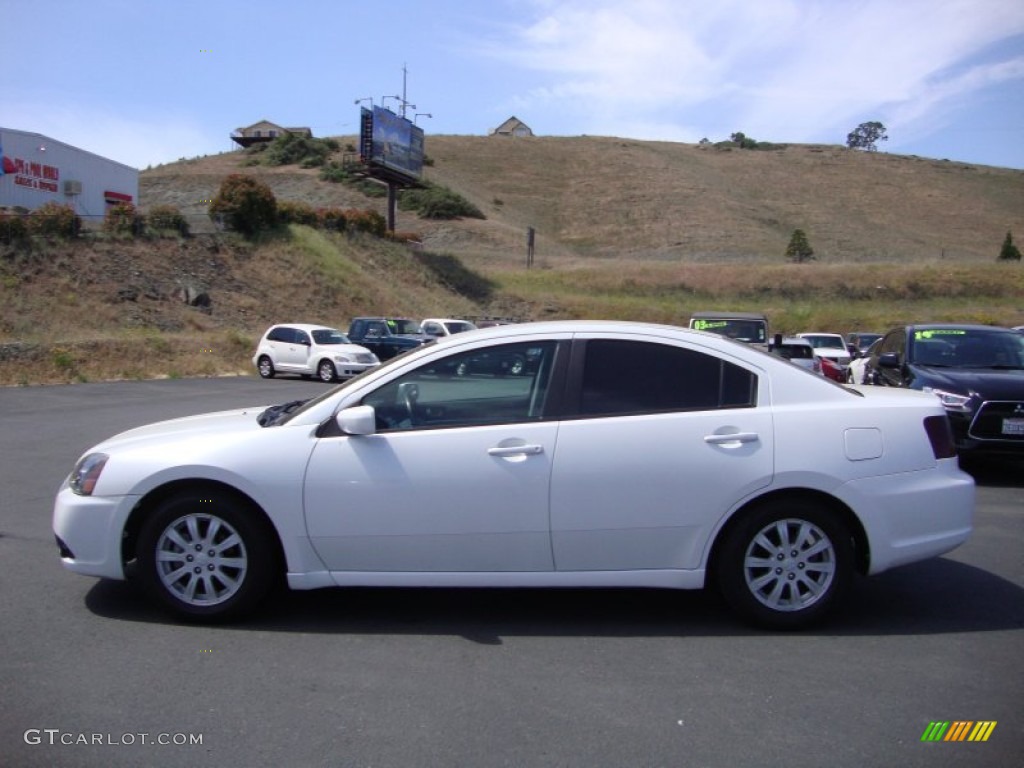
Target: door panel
(461,499)
(638,492)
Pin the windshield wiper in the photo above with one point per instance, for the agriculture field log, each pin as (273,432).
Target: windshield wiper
(276,413)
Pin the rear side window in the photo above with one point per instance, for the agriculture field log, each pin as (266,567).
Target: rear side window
(628,377)
(287,335)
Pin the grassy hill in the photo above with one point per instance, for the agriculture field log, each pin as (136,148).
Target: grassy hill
(625,229)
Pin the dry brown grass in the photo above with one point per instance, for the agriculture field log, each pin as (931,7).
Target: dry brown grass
(625,229)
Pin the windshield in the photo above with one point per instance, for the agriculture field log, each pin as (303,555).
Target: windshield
(403,326)
(459,326)
(330,336)
(967,348)
(825,341)
(751,331)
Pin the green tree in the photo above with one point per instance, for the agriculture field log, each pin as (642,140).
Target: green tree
(1009,251)
(866,136)
(799,250)
(743,141)
(245,204)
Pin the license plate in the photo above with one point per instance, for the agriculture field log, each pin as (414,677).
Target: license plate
(1013,426)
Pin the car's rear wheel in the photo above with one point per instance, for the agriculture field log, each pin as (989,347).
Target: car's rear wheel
(785,564)
(266,367)
(326,371)
(206,556)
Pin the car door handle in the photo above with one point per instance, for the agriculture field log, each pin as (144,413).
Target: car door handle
(515,450)
(735,437)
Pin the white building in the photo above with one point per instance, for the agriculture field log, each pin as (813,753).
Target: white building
(35,169)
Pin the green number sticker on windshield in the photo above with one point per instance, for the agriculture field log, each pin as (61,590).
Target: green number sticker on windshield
(918,335)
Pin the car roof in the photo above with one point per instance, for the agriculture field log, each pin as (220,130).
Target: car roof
(955,326)
(304,327)
(729,315)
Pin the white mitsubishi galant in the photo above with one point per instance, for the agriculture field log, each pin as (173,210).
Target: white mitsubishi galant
(565,454)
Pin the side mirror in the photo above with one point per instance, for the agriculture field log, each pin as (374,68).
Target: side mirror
(889,360)
(358,420)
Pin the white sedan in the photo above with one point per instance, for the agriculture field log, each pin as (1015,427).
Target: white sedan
(613,455)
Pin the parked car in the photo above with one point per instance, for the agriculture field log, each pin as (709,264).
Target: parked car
(859,371)
(749,327)
(311,350)
(445,326)
(857,343)
(387,337)
(570,474)
(832,346)
(831,370)
(798,351)
(976,371)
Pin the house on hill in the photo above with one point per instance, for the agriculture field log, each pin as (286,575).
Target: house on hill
(264,131)
(512,127)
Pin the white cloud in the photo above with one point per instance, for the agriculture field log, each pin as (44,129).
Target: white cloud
(782,70)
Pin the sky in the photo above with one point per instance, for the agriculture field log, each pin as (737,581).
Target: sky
(146,82)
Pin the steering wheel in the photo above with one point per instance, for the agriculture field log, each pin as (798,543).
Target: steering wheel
(409,394)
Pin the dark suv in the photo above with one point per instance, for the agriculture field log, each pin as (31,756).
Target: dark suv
(976,371)
(387,336)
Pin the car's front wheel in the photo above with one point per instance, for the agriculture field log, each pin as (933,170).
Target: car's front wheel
(785,564)
(266,367)
(206,556)
(326,371)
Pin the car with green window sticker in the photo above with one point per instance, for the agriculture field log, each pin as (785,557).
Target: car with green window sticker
(976,371)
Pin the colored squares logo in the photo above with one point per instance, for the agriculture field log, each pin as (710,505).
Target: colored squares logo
(958,730)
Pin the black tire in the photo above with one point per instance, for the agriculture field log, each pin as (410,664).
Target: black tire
(207,556)
(326,371)
(786,564)
(265,367)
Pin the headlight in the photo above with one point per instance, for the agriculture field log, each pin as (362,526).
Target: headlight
(86,473)
(342,359)
(951,401)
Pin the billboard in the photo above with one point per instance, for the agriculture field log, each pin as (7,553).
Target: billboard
(390,145)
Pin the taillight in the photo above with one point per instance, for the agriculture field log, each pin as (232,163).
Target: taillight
(940,434)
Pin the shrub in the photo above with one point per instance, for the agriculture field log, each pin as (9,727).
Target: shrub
(433,201)
(333,172)
(165,218)
(54,219)
(332,219)
(365,221)
(292,149)
(246,204)
(13,228)
(297,212)
(123,219)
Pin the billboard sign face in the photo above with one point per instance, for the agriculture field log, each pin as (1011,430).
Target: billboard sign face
(391,144)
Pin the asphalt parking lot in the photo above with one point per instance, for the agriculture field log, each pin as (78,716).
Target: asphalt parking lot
(92,675)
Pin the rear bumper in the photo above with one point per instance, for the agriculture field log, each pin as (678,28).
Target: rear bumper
(915,515)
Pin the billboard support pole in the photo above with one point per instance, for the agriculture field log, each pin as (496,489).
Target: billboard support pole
(392,204)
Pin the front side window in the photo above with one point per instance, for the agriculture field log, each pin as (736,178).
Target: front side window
(495,385)
(627,377)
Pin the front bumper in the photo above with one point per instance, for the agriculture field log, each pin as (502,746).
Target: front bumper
(90,529)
